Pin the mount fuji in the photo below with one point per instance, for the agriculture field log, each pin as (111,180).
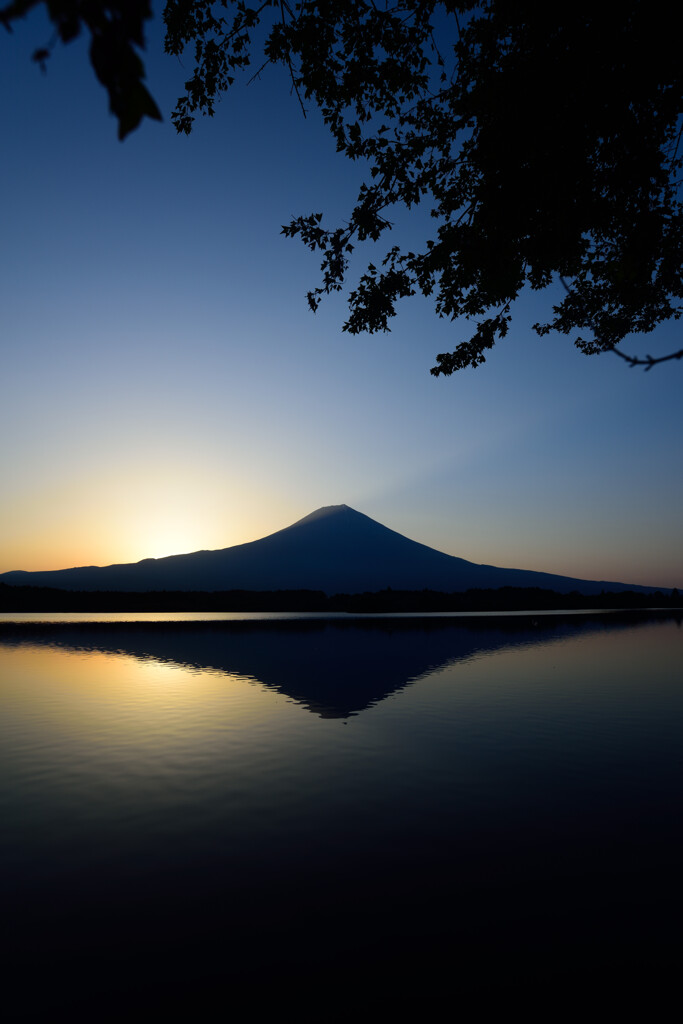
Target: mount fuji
(334,549)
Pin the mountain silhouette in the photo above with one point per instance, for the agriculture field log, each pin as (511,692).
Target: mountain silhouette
(334,549)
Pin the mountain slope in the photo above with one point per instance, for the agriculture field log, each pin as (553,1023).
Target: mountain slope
(334,549)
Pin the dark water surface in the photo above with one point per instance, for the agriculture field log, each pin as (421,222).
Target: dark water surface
(321,814)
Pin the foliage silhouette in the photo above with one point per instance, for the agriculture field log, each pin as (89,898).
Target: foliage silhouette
(116,30)
(544,141)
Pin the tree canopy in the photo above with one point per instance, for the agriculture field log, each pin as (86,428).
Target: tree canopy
(544,141)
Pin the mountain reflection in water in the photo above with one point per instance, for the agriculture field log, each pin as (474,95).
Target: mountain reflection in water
(471,809)
(333,667)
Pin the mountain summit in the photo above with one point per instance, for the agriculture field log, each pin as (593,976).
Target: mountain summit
(334,549)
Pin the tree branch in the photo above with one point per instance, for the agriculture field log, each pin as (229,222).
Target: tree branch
(292,76)
(647,361)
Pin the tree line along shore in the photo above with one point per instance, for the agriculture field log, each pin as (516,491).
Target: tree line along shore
(50,599)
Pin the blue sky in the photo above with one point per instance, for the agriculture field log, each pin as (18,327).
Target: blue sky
(165,388)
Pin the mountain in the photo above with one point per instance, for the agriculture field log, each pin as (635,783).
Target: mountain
(334,549)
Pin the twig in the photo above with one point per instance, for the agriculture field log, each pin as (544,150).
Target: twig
(647,361)
(295,86)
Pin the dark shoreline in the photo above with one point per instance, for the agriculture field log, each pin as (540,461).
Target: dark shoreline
(49,599)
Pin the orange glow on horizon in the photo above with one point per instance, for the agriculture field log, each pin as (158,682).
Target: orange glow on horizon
(106,520)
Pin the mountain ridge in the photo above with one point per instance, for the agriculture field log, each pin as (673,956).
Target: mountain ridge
(334,549)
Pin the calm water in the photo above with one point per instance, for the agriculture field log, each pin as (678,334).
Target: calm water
(327,810)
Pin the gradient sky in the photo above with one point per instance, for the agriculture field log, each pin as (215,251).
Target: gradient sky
(164,388)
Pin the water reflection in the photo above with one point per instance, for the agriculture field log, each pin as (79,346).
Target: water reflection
(335,668)
(178,839)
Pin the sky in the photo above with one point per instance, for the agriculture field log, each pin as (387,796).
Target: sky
(165,388)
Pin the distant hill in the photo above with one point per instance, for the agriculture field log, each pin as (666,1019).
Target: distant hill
(334,549)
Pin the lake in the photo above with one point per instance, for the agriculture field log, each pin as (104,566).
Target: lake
(329,814)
